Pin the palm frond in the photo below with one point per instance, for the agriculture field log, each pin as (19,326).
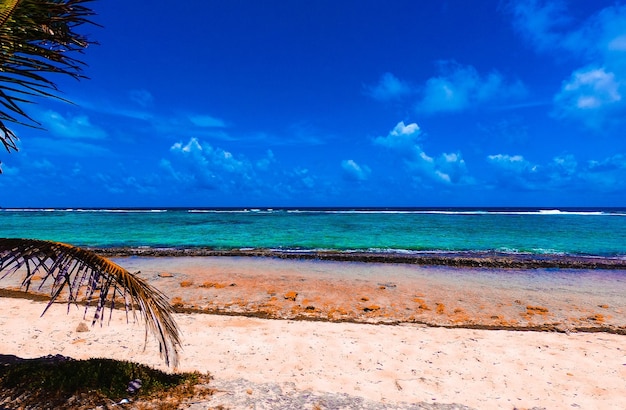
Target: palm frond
(61,267)
(6,9)
(36,38)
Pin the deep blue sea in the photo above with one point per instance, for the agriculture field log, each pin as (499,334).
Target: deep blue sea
(596,232)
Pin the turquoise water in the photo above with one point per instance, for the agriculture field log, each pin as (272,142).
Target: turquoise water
(599,232)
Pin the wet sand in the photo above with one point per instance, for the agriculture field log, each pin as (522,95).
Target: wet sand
(548,299)
(418,333)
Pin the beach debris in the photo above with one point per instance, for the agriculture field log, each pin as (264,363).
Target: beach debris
(441,308)
(291,296)
(536,310)
(134,386)
(596,318)
(214,285)
(371,308)
(564,328)
(82,327)
(165,275)
(422,304)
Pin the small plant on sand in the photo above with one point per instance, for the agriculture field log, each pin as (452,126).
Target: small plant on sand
(60,382)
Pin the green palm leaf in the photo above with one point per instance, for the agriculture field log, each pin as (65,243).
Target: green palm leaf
(60,267)
(38,37)
(35,39)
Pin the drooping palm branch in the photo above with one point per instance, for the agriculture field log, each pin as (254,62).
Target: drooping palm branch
(35,39)
(38,38)
(60,267)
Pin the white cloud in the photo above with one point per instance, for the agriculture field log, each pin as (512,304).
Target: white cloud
(214,158)
(303,178)
(43,165)
(198,167)
(459,87)
(609,164)
(443,177)
(388,88)
(425,157)
(538,21)
(264,163)
(450,158)
(590,94)
(451,168)
(402,137)
(602,37)
(593,88)
(354,171)
(567,162)
(593,93)
(516,172)
(210,167)
(505,158)
(563,168)
(170,170)
(76,127)
(511,162)
(404,140)
(192,146)
(562,172)
(8,171)
(617,44)
(607,175)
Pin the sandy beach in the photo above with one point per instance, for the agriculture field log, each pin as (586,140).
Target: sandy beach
(396,355)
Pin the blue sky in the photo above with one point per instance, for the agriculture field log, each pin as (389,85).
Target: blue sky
(335,103)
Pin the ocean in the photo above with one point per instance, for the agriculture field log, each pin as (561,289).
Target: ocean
(492,265)
(577,232)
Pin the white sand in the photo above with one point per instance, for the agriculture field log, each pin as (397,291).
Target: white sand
(478,368)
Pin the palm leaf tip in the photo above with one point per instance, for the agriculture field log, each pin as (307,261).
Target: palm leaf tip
(59,266)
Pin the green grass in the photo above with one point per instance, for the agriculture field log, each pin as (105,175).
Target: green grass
(55,380)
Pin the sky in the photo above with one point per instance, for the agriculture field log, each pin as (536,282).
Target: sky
(325,103)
